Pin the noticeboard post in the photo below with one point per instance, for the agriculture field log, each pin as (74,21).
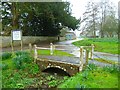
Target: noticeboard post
(16,36)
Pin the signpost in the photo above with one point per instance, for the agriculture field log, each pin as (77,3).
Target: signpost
(16,36)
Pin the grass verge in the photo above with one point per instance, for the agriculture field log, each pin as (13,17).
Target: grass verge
(55,53)
(106,61)
(93,77)
(107,45)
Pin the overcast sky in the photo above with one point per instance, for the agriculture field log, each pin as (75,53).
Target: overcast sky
(78,6)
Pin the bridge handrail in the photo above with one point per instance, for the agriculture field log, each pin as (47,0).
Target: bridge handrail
(87,52)
(48,48)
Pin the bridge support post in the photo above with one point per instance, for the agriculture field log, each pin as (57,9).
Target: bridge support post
(92,50)
(81,58)
(86,57)
(51,49)
(35,53)
(30,48)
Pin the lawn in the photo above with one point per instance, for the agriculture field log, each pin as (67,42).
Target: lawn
(107,45)
(93,77)
(55,53)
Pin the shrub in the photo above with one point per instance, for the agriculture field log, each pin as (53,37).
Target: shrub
(18,53)
(34,69)
(6,55)
(21,60)
(17,62)
(3,66)
(26,58)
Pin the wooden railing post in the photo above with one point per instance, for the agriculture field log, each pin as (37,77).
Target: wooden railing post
(51,48)
(92,50)
(81,58)
(35,53)
(30,48)
(86,57)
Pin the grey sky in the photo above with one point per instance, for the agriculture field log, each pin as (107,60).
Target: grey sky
(78,6)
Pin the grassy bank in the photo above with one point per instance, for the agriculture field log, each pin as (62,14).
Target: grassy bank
(19,71)
(107,45)
(93,77)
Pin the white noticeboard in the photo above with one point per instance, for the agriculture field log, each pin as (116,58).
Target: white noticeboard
(16,35)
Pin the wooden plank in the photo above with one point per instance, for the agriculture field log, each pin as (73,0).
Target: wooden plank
(48,48)
(63,45)
(42,48)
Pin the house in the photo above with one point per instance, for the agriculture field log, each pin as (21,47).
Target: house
(68,34)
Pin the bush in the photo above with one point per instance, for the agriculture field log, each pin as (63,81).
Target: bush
(18,53)
(21,60)
(3,66)
(34,69)
(18,62)
(6,55)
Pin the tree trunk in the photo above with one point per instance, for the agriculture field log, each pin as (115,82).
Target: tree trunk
(15,16)
(101,32)
(94,31)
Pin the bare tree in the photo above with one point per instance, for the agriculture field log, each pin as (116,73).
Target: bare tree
(90,16)
(106,8)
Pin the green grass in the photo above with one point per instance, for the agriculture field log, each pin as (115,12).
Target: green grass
(107,45)
(92,77)
(55,53)
(25,76)
(18,78)
(97,78)
(14,78)
(106,61)
(8,62)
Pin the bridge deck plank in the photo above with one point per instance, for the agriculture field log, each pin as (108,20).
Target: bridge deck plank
(65,59)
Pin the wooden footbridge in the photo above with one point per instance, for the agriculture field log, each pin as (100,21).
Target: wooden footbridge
(70,65)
